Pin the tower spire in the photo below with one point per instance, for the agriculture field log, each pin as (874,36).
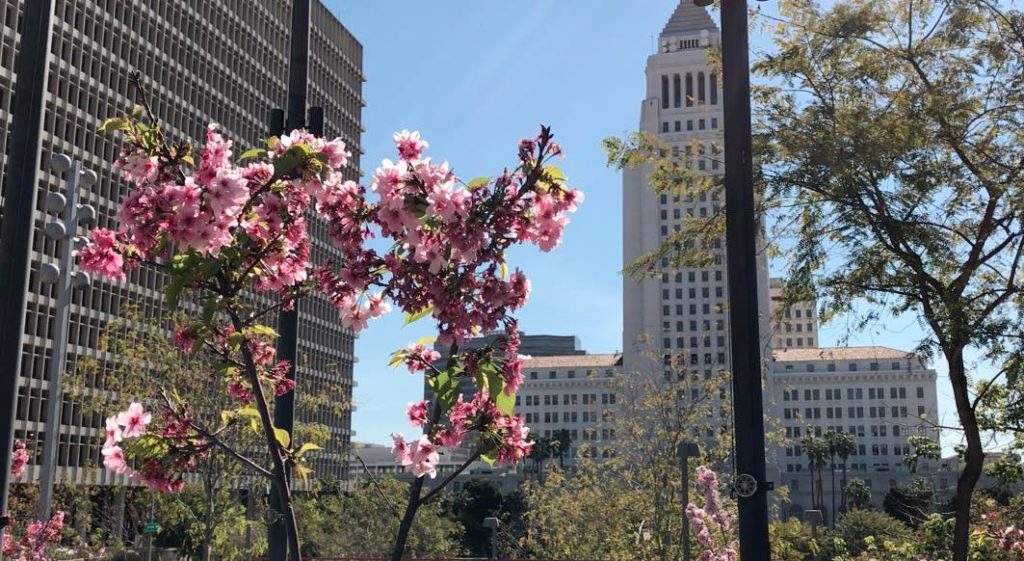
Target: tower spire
(688,19)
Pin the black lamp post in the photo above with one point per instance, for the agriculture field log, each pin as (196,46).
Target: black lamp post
(741,261)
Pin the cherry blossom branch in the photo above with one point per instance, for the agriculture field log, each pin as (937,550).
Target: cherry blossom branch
(376,485)
(440,487)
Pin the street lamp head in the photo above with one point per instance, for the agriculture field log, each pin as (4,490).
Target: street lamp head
(81,279)
(86,214)
(88,177)
(490,522)
(55,230)
(55,202)
(60,163)
(49,273)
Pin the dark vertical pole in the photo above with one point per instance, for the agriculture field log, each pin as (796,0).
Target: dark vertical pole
(288,320)
(741,243)
(684,463)
(18,207)
(277,534)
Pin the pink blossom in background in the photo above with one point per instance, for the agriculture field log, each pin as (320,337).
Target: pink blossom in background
(19,458)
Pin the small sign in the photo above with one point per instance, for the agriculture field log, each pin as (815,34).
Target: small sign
(151,527)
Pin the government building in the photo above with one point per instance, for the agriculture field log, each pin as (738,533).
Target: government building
(202,62)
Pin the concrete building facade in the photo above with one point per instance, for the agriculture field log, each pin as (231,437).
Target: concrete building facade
(201,62)
(793,326)
(879,395)
(682,310)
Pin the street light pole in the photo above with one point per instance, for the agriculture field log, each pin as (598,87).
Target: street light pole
(687,450)
(65,282)
(744,316)
(30,66)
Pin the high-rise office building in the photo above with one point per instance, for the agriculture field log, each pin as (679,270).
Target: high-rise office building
(794,325)
(682,312)
(202,62)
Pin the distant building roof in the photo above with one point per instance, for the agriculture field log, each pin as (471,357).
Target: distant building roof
(839,353)
(573,360)
(688,18)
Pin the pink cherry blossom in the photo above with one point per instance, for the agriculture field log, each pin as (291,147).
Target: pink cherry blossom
(409,145)
(101,257)
(114,460)
(424,457)
(19,458)
(113,431)
(417,413)
(134,421)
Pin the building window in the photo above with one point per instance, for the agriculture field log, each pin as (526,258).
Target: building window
(700,88)
(678,127)
(664,92)
(714,120)
(664,127)
(676,101)
(713,78)
(689,89)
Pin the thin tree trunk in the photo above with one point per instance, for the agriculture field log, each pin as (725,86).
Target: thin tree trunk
(279,475)
(974,458)
(843,495)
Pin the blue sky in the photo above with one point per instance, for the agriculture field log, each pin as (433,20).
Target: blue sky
(474,78)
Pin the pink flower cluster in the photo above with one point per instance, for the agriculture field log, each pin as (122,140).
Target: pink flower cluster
(1009,538)
(713,524)
(19,458)
(155,473)
(419,457)
(32,545)
(228,228)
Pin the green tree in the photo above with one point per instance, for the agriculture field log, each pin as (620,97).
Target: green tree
(911,504)
(858,526)
(361,523)
(478,499)
(209,515)
(817,450)
(893,134)
(628,504)
(858,494)
(843,446)
(921,448)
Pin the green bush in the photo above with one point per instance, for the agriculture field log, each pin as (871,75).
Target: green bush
(857,525)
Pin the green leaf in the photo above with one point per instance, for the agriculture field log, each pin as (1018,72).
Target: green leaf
(114,124)
(554,173)
(248,412)
(272,142)
(488,458)
(478,181)
(252,153)
(506,403)
(410,318)
(303,472)
(307,447)
(446,389)
(282,436)
(429,339)
(261,330)
(397,357)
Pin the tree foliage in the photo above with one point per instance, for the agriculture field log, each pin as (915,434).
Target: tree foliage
(892,133)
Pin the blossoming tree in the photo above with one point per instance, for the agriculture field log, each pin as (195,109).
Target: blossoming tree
(227,231)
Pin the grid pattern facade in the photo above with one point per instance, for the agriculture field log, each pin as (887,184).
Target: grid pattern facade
(577,394)
(794,326)
(879,395)
(202,62)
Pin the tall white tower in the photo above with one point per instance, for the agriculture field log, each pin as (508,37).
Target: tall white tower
(682,311)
